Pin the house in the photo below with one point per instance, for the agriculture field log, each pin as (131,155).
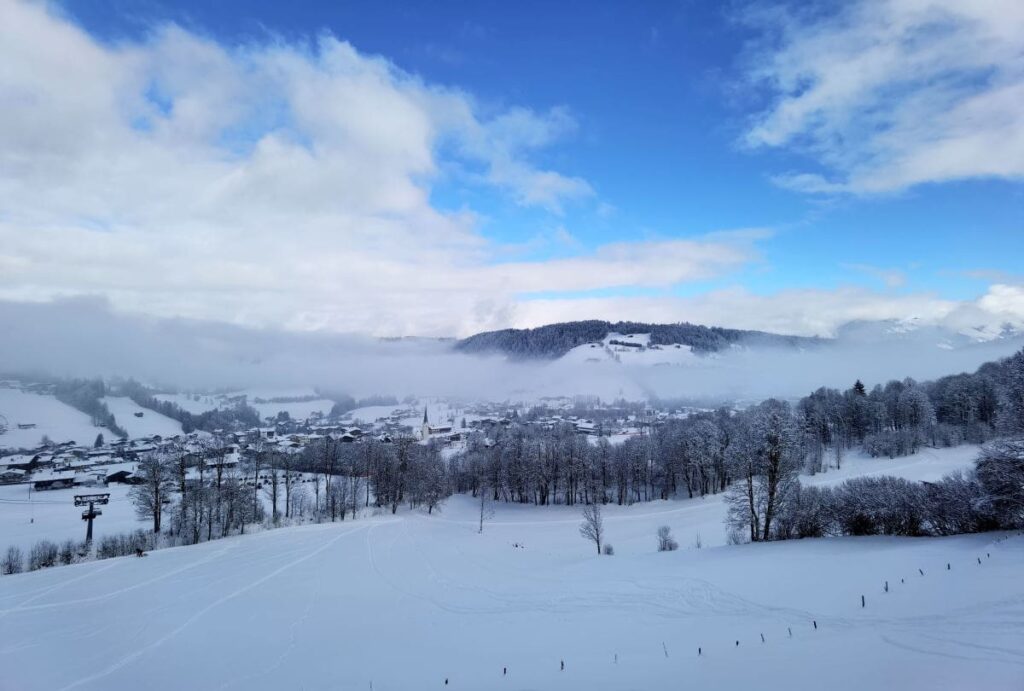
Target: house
(123,477)
(55,481)
(12,475)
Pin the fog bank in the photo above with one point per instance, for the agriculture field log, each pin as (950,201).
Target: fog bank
(85,338)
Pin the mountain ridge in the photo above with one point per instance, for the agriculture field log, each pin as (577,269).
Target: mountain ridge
(552,341)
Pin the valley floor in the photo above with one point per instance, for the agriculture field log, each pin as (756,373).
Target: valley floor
(406,602)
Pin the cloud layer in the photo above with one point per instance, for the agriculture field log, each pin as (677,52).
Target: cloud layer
(83,337)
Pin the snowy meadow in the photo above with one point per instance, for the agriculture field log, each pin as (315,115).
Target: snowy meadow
(418,600)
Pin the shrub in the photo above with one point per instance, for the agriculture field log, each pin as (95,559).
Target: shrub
(67,552)
(665,541)
(43,555)
(13,562)
(608,549)
(807,512)
(958,504)
(879,505)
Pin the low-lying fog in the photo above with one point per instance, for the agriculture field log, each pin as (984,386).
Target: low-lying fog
(84,338)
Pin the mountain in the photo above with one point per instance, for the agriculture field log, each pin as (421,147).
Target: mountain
(555,340)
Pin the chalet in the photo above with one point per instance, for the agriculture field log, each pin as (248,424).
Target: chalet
(123,477)
(12,475)
(55,481)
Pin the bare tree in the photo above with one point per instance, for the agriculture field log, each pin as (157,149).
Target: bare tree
(154,493)
(272,488)
(486,513)
(592,527)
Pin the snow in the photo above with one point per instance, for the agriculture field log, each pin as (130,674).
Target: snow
(298,410)
(605,351)
(150,423)
(188,402)
(52,418)
(370,414)
(29,516)
(927,465)
(406,601)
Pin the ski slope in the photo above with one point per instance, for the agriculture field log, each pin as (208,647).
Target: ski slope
(56,420)
(407,601)
(124,410)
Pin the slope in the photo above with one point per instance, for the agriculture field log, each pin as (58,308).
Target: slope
(406,602)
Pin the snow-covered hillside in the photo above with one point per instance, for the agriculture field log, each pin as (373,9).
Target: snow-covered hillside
(630,349)
(408,601)
(139,421)
(193,403)
(267,402)
(47,416)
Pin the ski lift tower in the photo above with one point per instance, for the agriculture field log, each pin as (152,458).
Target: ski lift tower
(91,500)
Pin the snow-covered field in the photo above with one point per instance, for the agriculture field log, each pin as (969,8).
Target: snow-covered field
(151,422)
(298,410)
(407,601)
(52,418)
(27,517)
(606,351)
(192,403)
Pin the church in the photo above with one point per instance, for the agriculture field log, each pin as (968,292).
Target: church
(427,430)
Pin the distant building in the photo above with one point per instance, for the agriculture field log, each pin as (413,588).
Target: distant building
(427,430)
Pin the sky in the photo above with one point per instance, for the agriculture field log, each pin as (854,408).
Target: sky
(440,169)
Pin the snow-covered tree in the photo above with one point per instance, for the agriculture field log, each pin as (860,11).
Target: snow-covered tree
(1000,470)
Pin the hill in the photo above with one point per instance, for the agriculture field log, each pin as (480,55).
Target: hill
(555,340)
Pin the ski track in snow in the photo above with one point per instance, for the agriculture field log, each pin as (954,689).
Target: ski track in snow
(131,657)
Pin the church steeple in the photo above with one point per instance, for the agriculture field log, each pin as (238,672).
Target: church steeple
(425,415)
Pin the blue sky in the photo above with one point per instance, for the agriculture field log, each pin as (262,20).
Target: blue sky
(664,122)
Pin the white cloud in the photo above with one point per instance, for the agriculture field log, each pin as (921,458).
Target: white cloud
(894,93)
(276,184)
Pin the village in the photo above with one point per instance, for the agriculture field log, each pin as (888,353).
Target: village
(64,464)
